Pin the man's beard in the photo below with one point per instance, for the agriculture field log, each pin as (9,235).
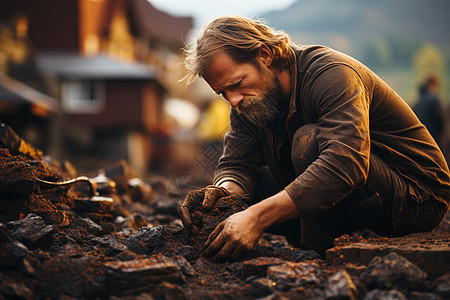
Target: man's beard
(263,110)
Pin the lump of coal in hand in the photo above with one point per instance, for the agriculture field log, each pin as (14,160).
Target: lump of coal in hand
(207,220)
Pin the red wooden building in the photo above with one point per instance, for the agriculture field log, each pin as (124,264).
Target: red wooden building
(112,63)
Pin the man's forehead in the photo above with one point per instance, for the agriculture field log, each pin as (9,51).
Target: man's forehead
(221,71)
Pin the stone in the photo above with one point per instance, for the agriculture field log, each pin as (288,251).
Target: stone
(258,267)
(262,287)
(12,253)
(392,271)
(141,275)
(89,225)
(5,235)
(185,267)
(295,273)
(385,295)
(151,236)
(286,253)
(114,248)
(120,173)
(443,286)
(341,286)
(136,246)
(30,229)
(134,221)
(96,204)
(139,191)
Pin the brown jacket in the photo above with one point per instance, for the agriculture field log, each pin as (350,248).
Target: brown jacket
(358,114)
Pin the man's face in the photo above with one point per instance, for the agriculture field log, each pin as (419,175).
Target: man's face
(252,90)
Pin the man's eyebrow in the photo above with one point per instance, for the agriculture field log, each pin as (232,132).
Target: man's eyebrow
(230,84)
(233,82)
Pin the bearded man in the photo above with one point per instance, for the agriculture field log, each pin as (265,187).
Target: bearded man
(322,146)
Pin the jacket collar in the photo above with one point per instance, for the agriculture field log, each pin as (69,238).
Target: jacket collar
(293,65)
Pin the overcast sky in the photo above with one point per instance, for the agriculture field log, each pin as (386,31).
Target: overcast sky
(203,10)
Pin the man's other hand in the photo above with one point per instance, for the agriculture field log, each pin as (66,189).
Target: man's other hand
(207,196)
(233,237)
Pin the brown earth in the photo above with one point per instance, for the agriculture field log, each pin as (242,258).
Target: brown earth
(127,242)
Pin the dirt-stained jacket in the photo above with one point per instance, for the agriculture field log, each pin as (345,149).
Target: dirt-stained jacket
(358,114)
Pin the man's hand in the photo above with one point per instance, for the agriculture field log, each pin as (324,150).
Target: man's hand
(207,196)
(240,232)
(234,236)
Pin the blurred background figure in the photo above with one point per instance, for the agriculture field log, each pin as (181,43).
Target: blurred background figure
(428,108)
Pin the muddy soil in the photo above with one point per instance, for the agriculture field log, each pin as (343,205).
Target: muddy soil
(127,242)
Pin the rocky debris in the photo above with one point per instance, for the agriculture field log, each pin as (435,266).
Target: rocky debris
(430,252)
(258,267)
(130,246)
(141,275)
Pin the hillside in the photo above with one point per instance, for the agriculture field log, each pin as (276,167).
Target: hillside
(354,25)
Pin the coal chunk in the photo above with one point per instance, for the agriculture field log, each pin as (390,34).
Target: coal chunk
(30,229)
(96,204)
(11,253)
(258,267)
(392,271)
(294,274)
(151,236)
(137,276)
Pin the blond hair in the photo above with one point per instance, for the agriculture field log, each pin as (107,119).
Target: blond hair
(240,37)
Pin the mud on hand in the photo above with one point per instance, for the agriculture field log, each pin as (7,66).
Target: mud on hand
(205,198)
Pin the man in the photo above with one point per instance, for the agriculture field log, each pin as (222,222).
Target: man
(428,107)
(321,144)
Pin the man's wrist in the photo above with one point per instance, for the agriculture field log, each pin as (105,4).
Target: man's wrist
(232,187)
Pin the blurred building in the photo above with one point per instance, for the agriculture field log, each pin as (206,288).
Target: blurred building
(111,63)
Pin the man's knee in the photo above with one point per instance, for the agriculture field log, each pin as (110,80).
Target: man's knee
(305,149)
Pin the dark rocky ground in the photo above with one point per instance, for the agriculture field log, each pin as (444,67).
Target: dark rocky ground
(126,242)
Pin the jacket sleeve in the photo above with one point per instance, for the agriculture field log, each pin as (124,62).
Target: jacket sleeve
(243,156)
(337,96)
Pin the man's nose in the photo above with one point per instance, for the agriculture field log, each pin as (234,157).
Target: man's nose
(234,98)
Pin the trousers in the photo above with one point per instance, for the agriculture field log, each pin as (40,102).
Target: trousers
(387,204)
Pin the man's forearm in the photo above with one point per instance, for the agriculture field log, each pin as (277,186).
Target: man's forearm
(274,210)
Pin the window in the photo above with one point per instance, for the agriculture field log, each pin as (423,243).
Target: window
(83,96)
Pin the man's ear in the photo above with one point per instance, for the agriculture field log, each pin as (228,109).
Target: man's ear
(265,55)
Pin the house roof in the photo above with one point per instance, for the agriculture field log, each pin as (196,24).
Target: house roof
(73,65)
(168,29)
(14,91)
